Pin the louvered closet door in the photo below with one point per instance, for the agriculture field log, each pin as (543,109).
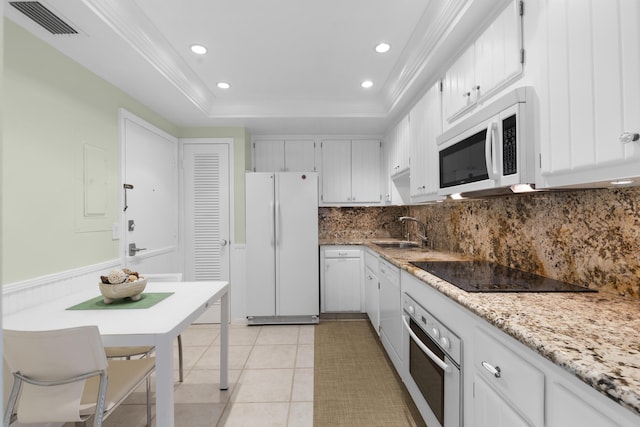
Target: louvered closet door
(207,230)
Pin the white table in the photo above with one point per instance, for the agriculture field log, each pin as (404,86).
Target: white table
(157,326)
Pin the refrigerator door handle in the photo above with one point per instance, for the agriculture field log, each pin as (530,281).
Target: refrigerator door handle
(272,212)
(277,214)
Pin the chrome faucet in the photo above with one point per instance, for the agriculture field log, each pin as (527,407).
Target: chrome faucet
(423,236)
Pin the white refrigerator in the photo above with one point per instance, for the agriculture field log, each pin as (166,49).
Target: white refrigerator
(282,247)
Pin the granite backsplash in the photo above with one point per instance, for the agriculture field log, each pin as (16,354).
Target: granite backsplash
(360,223)
(587,237)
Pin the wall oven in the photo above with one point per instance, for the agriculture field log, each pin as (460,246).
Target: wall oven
(432,366)
(491,150)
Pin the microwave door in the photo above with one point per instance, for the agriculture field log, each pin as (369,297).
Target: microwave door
(466,163)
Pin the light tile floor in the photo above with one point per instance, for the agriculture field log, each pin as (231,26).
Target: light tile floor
(270,380)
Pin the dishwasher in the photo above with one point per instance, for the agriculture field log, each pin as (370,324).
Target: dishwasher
(390,312)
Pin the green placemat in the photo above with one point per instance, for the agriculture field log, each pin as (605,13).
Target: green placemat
(148,300)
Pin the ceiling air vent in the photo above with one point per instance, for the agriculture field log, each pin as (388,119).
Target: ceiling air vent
(43,16)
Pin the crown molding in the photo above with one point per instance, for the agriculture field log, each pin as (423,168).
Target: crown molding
(130,23)
(434,26)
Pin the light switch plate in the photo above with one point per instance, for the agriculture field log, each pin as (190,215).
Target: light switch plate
(115,231)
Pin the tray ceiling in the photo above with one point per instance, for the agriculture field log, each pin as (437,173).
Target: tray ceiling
(294,66)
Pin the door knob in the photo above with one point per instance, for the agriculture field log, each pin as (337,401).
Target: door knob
(133,249)
(223,242)
(628,137)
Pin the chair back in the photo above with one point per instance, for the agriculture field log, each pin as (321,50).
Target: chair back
(7,382)
(54,356)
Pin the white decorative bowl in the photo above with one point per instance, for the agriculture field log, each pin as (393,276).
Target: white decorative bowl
(131,290)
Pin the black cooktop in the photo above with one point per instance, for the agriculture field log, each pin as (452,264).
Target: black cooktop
(486,276)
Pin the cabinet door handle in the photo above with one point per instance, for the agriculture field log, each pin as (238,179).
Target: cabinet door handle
(495,371)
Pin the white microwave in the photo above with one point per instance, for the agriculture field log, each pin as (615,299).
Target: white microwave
(492,151)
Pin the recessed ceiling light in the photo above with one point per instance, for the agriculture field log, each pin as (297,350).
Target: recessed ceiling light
(366,84)
(622,182)
(198,49)
(223,85)
(383,47)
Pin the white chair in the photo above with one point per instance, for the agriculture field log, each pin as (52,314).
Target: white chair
(129,352)
(63,376)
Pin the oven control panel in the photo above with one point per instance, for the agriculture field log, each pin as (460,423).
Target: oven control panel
(449,342)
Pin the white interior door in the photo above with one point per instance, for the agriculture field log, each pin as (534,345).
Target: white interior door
(150,205)
(206,215)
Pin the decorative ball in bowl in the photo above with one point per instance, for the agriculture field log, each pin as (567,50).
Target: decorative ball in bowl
(131,287)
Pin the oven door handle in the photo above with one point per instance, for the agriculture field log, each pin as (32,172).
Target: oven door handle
(424,348)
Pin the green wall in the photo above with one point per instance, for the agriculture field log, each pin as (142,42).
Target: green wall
(53,107)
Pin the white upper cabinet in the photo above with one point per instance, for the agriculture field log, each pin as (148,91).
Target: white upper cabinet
(498,52)
(300,155)
(268,156)
(426,125)
(487,66)
(336,171)
(458,92)
(590,101)
(350,172)
(284,155)
(399,147)
(365,171)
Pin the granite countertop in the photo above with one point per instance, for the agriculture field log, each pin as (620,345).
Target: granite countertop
(594,336)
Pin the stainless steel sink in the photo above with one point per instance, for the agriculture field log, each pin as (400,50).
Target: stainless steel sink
(398,245)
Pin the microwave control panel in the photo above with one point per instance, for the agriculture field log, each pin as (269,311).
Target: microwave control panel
(509,146)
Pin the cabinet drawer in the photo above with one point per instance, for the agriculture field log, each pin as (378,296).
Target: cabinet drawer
(342,253)
(371,261)
(519,383)
(390,272)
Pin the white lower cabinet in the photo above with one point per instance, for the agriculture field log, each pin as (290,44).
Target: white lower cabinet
(490,409)
(341,279)
(508,382)
(569,409)
(532,391)
(372,289)
(390,312)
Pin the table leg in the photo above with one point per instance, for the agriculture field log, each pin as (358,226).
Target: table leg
(224,341)
(164,382)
